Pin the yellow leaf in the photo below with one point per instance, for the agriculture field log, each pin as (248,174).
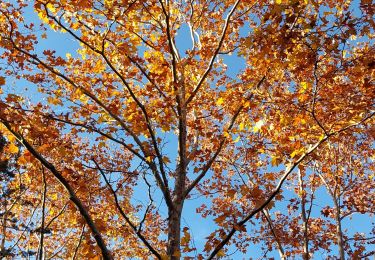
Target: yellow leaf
(12,148)
(304,86)
(11,138)
(54,100)
(237,139)
(108,2)
(219,101)
(302,193)
(147,54)
(84,99)
(53,196)
(258,126)
(80,95)
(83,53)
(275,160)
(293,154)
(246,104)
(149,158)
(297,152)
(51,7)
(241,126)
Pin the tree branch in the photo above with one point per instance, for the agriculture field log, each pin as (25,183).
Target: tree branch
(73,197)
(211,63)
(288,170)
(123,214)
(221,144)
(79,242)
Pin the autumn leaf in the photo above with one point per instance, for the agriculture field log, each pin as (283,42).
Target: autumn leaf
(237,139)
(219,101)
(137,117)
(22,160)
(231,193)
(241,126)
(221,253)
(185,240)
(12,148)
(258,125)
(166,159)
(220,220)
(304,87)
(54,101)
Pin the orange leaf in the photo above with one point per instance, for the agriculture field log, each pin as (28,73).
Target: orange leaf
(12,148)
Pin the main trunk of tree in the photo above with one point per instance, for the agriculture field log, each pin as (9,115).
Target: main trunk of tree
(174,221)
(174,230)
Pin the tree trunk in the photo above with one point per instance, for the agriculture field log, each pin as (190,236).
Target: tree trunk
(40,254)
(280,248)
(340,240)
(174,231)
(4,229)
(174,221)
(336,201)
(305,220)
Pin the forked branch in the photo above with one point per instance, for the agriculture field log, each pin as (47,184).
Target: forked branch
(288,171)
(73,197)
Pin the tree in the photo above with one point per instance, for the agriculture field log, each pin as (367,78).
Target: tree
(154,101)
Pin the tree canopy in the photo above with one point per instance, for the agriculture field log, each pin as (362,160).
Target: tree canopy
(121,118)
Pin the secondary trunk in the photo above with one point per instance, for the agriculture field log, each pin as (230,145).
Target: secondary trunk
(340,240)
(305,220)
(280,248)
